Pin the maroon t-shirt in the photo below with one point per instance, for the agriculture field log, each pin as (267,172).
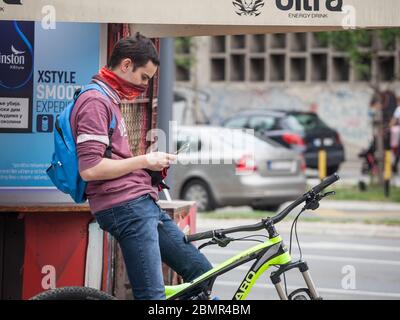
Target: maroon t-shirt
(90,122)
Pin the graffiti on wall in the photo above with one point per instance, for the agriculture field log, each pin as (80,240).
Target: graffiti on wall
(342,107)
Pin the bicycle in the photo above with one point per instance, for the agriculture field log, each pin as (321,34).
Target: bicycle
(271,252)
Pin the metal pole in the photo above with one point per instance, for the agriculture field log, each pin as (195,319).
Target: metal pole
(322,164)
(165,93)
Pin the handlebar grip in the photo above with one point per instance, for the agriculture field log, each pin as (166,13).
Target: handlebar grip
(325,183)
(199,236)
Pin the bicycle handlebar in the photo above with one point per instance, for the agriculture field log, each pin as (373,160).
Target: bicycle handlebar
(212,233)
(325,183)
(261,225)
(314,191)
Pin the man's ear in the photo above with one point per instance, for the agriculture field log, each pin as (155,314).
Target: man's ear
(125,64)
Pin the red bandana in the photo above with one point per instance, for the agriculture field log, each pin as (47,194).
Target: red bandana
(124,89)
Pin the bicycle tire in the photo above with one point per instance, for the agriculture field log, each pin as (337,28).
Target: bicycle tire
(73,293)
(292,296)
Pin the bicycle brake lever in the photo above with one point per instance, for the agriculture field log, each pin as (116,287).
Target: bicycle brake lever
(209,243)
(327,194)
(222,241)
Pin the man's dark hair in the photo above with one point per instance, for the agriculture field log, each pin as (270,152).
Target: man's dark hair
(138,48)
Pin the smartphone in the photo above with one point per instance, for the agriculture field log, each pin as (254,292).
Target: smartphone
(183,147)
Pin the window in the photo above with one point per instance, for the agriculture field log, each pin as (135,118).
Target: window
(236,123)
(179,98)
(305,121)
(263,123)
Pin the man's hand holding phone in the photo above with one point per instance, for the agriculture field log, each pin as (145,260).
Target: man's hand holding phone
(156,161)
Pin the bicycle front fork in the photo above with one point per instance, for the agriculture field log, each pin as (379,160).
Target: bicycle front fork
(303,268)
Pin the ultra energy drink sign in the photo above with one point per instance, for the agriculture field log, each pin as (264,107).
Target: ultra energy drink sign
(39,73)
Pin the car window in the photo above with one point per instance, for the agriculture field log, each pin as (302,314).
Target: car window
(236,123)
(292,123)
(178,97)
(306,121)
(263,123)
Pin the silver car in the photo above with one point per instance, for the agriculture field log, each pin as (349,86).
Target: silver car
(231,167)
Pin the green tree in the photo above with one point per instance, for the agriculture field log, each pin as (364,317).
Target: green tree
(183,49)
(362,47)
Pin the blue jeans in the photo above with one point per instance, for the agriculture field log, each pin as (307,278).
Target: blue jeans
(147,236)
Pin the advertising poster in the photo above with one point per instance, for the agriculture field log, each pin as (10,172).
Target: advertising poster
(39,73)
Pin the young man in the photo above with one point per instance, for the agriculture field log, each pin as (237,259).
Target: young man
(120,192)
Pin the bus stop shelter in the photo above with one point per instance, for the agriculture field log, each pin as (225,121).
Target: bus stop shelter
(47,241)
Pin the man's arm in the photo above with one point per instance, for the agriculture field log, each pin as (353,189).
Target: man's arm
(92,122)
(108,169)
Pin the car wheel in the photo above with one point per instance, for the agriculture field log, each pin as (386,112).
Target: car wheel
(332,169)
(198,191)
(272,208)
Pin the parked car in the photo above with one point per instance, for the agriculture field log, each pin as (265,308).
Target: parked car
(303,132)
(230,167)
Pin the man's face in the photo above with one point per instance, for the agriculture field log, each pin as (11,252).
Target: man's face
(141,76)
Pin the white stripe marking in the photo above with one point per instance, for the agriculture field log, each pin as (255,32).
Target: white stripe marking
(348,246)
(320,290)
(92,137)
(327,246)
(339,259)
(355,260)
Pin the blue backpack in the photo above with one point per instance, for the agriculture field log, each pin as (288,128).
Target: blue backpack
(64,171)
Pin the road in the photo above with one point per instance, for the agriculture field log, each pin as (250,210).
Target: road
(343,267)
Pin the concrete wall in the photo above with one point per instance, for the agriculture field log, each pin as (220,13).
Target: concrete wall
(343,107)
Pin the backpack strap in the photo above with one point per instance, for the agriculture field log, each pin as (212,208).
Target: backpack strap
(108,152)
(90,86)
(94,86)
